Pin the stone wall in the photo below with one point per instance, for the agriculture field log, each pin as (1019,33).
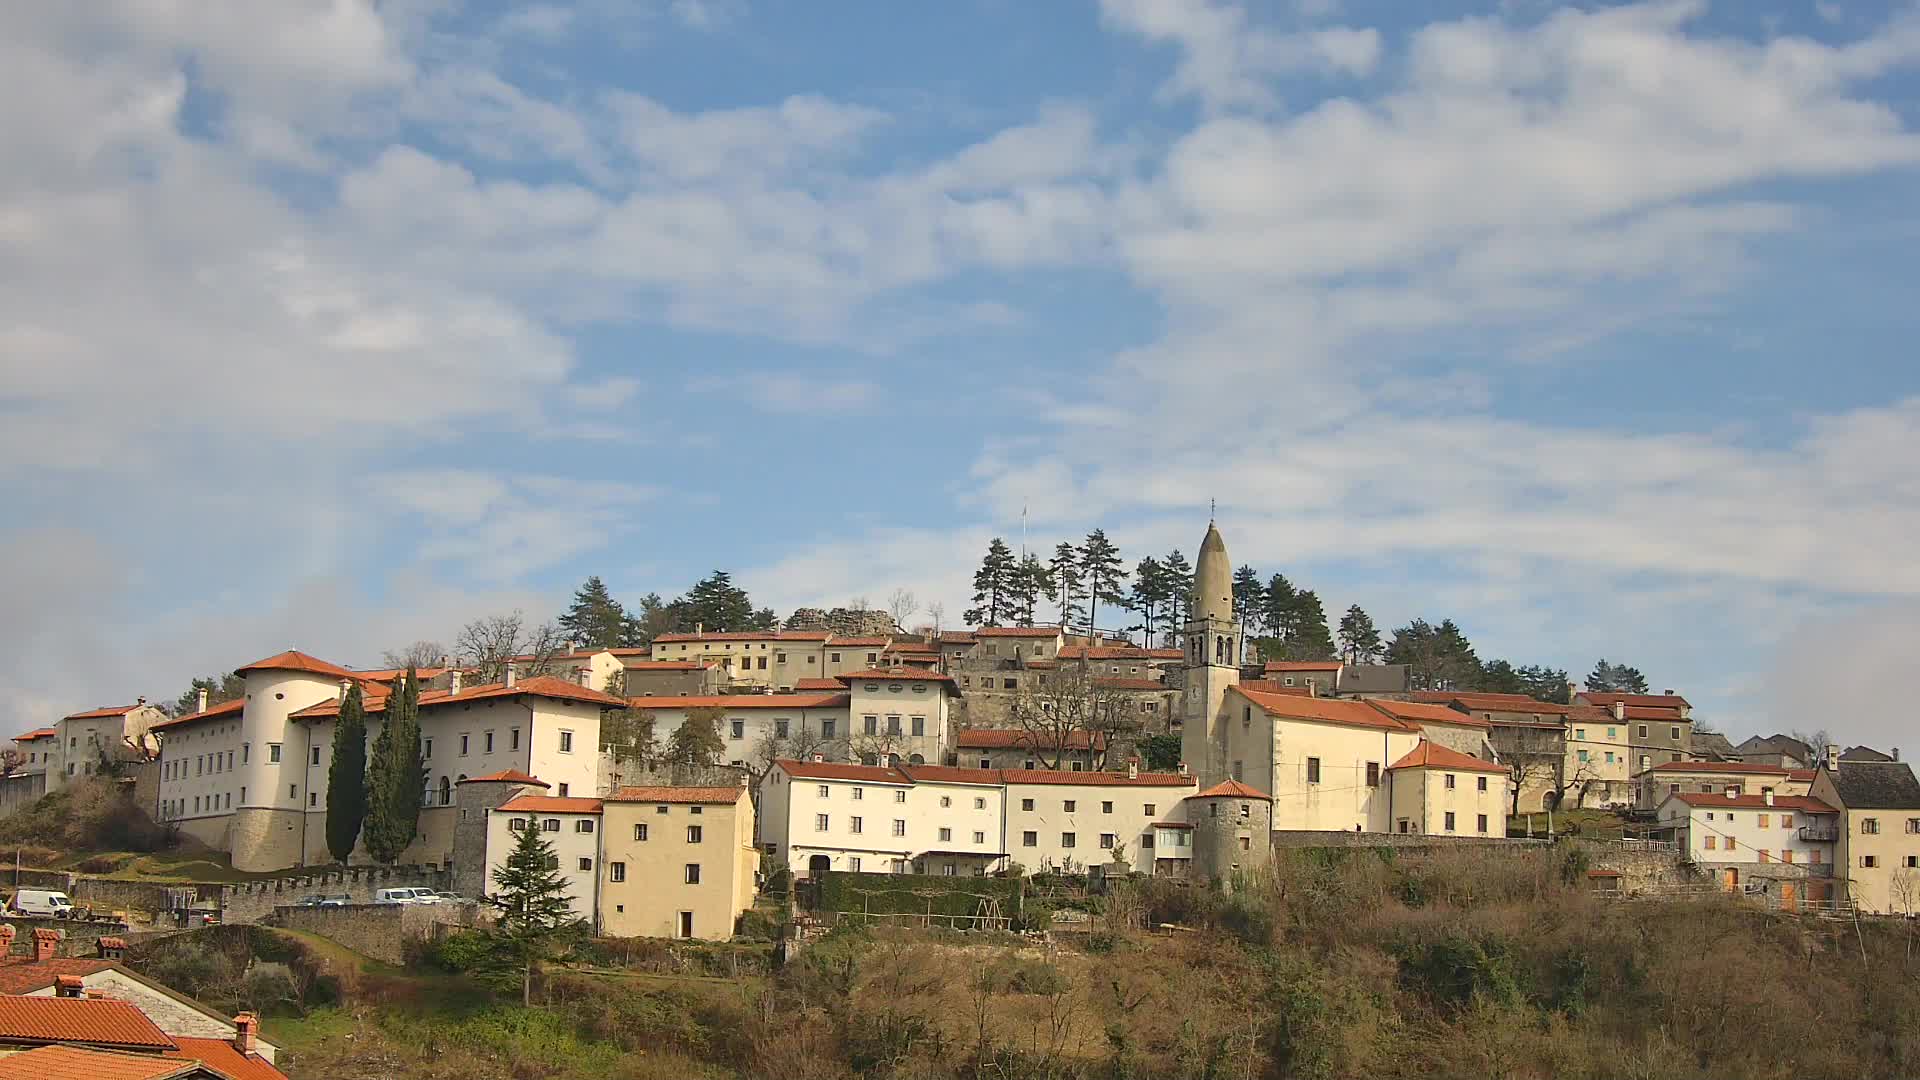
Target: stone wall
(1640,871)
(143,901)
(21,789)
(1310,838)
(253,901)
(76,938)
(386,932)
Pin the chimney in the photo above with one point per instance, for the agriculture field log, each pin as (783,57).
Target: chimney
(1133,768)
(45,944)
(111,948)
(1668,692)
(819,757)
(1183,768)
(699,629)
(1573,691)
(586,677)
(1619,710)
(345,685)
(446,661)
(1313,688)
(6,938)
(68,986)
(1733,793)
(245,1026)
(140,701)
(453,682)
(1767,794)
(1896,753)
(510,673)
(202,705)
(1833,756)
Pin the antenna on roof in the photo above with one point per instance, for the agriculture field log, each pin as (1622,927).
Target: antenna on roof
(1213,509)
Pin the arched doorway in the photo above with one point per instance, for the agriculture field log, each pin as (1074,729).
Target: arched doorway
(917,760)
(818,866)
(446,791)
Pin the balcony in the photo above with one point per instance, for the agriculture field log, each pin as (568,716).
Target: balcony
(1819,834)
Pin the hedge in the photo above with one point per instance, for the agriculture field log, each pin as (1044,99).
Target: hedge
(915,894)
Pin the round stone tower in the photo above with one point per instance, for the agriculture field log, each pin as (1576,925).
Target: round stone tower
(1232,831)
(1212,640)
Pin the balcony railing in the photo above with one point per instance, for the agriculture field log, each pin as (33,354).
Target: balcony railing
(1819,833)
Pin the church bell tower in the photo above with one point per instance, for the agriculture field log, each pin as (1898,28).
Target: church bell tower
(1212,642)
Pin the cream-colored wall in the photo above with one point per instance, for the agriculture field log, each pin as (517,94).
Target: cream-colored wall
(1655,787)
(1422,800)
(755,725)
(1609,781)
(1273,754)
(569,846)
(648,903)
(886,699)
(193,764)
(1133,810)
(791,806)
(786,662)
(1758,835)
(1892,887)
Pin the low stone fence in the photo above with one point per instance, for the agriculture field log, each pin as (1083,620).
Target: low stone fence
(76,938)
(142,902)
(255,900)
(385,932)
(1284,839)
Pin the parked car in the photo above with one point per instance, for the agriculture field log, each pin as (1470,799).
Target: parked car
(48,902)
(322,900)
(447,897)
(395,896)
(427,896)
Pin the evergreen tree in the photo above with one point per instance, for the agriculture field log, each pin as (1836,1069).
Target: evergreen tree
(1616,679)
(1276,613)
(221,689)
(1104,574)
(654,618)
(596,619)
(697,740)
(534,907)
(347,777)
(1311,640)
(715,603)
(1438,657)
(396,777)
(1179,575)
(1542,683)
(1066,575)
(992,587)
(1248,602)
(1499,677)
(1358,637)
(1151,595)
(1029,583)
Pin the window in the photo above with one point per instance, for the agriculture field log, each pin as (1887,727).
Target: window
(463,745)
(1709,845)
(979,837)
(1449,784)
(1029,839)
(853,863)
(979,804)
(1643,731)
(946,835)
(859,794)
(1674,734)
(640,832)
(737,729)
(1106,808)
(1066,839)
(583,826)
(1814,856)
(1786,855)
(1870,827)
(1075,766)
(487,741)
(316,756)
(1149,810)
(293,791)
(426,748)
(586,863)
(1582,755)
(1449,821)
(1763,821)
(780,728)
(824,791)
(1731,843)
(1481,785)
(1373,774)
(1106,841)
(694,834)
(1313,770)
(1481,823)
(692,878)
(566,742)
(899,827)
(899,796)
(1786,821)
(870,724)
(827,728)
(513,738)
(762,665)
(1012,683)
(856,825)
(1580,733)
(1913,861)
(919,725)
(820,822)
(273,752)
(1069,805)
(946,801)
(1913,825)
(659,809)
(835,658)
(616,871)
(551,824)
(893,725)
(1026,804)
(246,750)
(563,790)
(1869,861)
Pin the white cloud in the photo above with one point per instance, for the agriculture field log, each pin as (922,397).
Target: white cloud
(1225,61)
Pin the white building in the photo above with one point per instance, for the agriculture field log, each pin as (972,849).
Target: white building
(752,724)
(571,825)
(1072,820)
(1745,839)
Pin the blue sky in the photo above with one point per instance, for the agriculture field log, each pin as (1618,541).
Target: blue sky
(337,324)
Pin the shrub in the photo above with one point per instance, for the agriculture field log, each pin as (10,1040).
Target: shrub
(1459,969)
(1035,977)
(459,952)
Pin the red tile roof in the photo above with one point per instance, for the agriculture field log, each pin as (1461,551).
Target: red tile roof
(858,642)
(956,637)
(836,770)
(214,712)
(1233,789)
(39,733)
(906,774)
(221,1056)
(103,712)
(829,685)
(911,674)
(1129,684)
(1323,710)
(1745,768)
(951,774)
(93,1021)
(913,647)
(731,702)
(1018,631)
(1802,774)
(746,635)
(1303,665)
(24,975)
(540,686)
(295,660)
(56,1062)
(1665,716)
(1709,800)
(1268,686)
(550,804)
(1420,712)
(1429,755)
(1657,701)
(506,776)
(387,675)
(704,796)
(1096,779)
(1509,703)
(1017,739)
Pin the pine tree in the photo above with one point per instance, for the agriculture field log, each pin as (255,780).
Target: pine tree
(715,603)
(1179,574)
(992,587)
(1438,657)
(1276,611)
(1029,583)
(1616,679)
(1104,574)
(533,903)
(1150,595)
(1248,603)
(697,740)
(596,619)
(228,687)
(1311,639)
(347,777)
(396,777)
(1359,639)
(1067,577)
(1542,683)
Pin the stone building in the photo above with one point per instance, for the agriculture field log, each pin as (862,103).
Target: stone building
(1231,826)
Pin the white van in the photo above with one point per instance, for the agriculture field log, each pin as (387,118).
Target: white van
(43,902)
(394,896)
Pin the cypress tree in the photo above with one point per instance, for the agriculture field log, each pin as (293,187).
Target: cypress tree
(396,777)
(347,777)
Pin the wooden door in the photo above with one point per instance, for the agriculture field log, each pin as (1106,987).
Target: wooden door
(1730,879)
(1788,902)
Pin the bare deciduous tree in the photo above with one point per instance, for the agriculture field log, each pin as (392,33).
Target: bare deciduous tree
(773,746)
(487,644)
(901,605)
(419,654)
(1057,709)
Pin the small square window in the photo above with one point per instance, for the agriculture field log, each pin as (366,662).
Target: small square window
(693,834)
(693,873)
(617,871)
(640,831)
(586,863)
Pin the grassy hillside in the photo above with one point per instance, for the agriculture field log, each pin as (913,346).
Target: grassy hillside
(1462,964)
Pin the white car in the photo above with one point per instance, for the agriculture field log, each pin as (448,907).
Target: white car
(395,896)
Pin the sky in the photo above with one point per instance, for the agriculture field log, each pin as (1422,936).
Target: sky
(332,325)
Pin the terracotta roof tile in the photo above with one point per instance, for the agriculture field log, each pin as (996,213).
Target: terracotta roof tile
(745,635)
(731,702)
(1744,768)
(1268,686)
(387,675)
(541,686)
(1429,755)
(1303,665)
(912,674)
(858,642)
(94,1021)
(1118,652)
(57,1062)
(703,796)
(1323,710)
(214,712)
(835,770)
(40,733)
(951,774)
(295,660)
(1096,779)
(24,975)
(1233,789)
(506,776)
(1018,631)
(550,804)
(833,686)
(1511,703)
(1657,701)
(1708,800)
(1015,738)
(104,712)
(1420,712)
(224,1057)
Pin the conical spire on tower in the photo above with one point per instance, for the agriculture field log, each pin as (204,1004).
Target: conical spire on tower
(1213,579)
